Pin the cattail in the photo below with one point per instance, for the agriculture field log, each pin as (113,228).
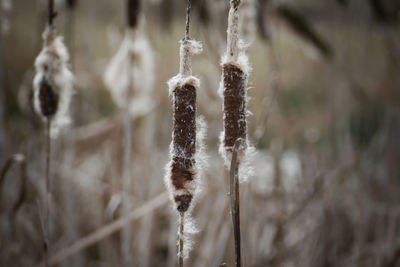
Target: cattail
(183,89)
(129,78)
(53,86)
(233,89)
(53,82)
(184,170)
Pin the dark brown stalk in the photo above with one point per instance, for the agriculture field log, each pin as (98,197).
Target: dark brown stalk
(234,105)
(188,8)
(51,13)
(133,8)
(181,241)
(235,201)
(71,3)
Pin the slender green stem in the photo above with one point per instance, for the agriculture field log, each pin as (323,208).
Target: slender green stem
(235,201)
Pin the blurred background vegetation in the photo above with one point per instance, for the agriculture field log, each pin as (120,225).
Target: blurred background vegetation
(325,95)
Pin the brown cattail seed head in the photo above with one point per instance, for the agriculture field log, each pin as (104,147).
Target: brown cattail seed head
(48,98)
(183,170)
(53,82)
(233,89)
(184,143)
(234,105)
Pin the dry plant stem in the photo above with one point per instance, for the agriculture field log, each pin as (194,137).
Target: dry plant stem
(133,8)
(70,34)
(108,229)
(188,7)
(235,201)
(181,240)
(126,233)
(51,13)
(46,222)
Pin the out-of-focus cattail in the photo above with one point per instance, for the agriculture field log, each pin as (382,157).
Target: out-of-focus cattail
(233,89)
(129,78)
(53,87)
(183,171)
(53,82)
(130,75)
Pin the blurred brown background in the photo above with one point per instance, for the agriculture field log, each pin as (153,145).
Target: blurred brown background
(325,101)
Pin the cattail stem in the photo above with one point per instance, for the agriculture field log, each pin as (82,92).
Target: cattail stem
(126,233)
(181,239)
(133,9)
(70,33)
(48,194)
(51,13)
(235,201)
(188,7)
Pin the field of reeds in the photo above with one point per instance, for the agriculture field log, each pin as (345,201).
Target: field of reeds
(111,152)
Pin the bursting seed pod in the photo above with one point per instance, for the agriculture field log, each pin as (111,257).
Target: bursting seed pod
(183,172)
(183,89)
(233,89)
(186,149)
(53,82)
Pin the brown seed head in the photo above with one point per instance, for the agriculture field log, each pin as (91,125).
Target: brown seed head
(48,98)
(184,143)
(234,105)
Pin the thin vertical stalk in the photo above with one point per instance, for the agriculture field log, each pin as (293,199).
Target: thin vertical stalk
(235,201)
(70,33)
(181,241)
(188,7)
(126,233)
(51,13)
(48,194)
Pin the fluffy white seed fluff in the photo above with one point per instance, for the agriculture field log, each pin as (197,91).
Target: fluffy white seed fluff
(130,74)
(52,63)
(195,186)
(188,48)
